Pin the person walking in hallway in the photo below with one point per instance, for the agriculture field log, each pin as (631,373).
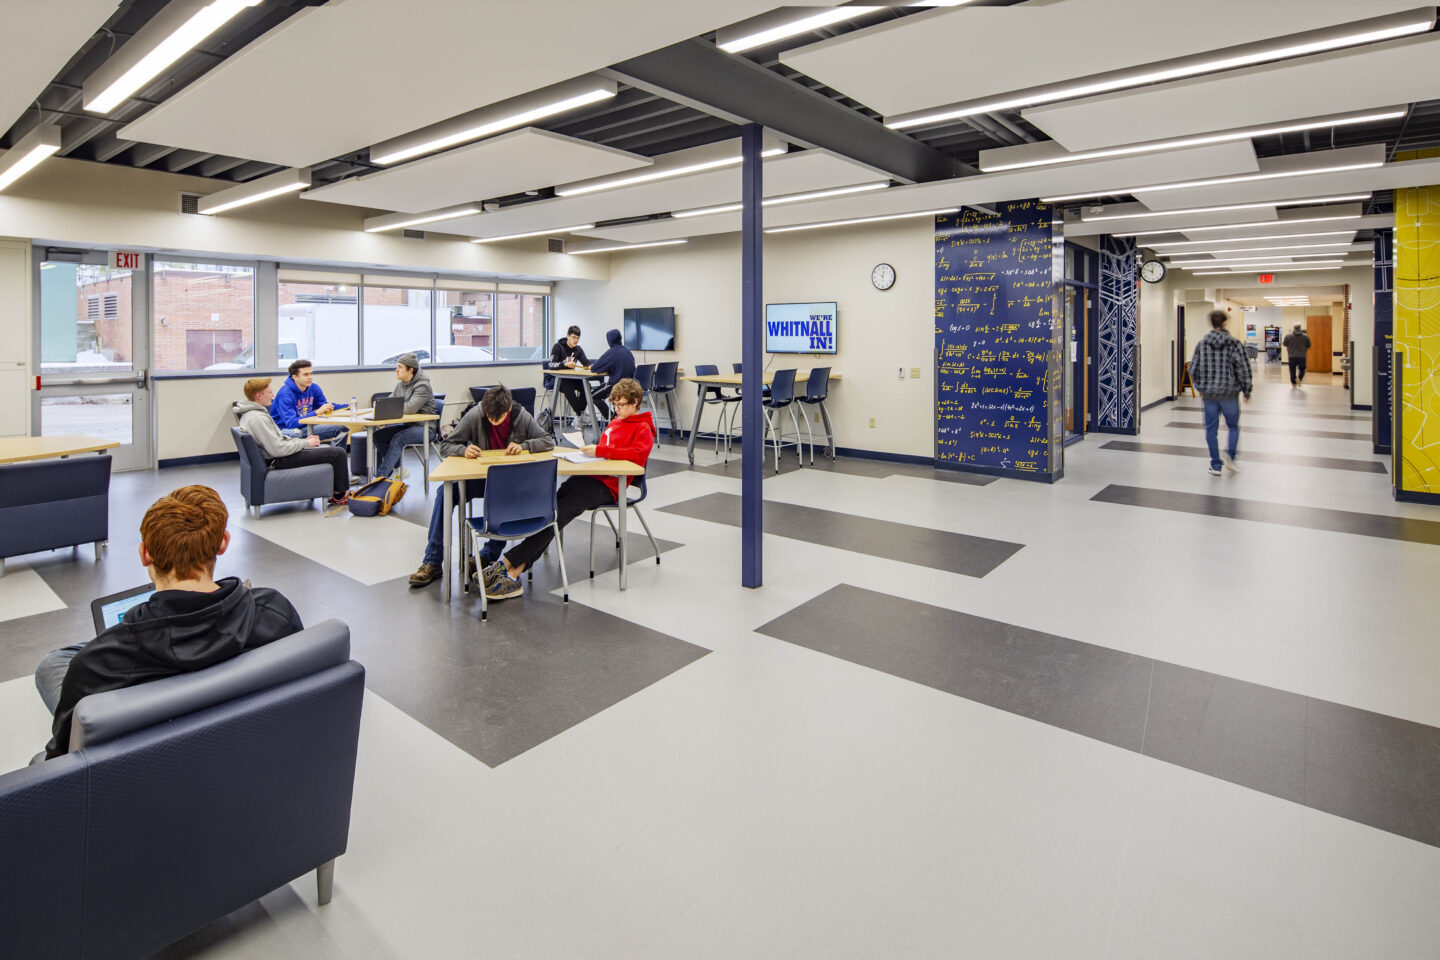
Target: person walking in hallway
(1221,372)
(1297,346)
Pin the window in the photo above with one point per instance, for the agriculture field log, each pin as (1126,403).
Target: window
(204,316)
(84,318)
(520,326)
(395,319)
(319,320)
(464,325)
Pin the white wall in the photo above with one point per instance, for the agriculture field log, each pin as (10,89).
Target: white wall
(1157,337)
(878,333)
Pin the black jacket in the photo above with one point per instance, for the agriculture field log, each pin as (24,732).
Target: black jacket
(174,632)
(618,361)
(562,352)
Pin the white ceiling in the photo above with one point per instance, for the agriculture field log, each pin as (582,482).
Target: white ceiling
(1390,176)
(339,77)
(504,165)
(969,52)
(1381,75)
(40,38)
(1372,222)
(792,173)
(1309,185)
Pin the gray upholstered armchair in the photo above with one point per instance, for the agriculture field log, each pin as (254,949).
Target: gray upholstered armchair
(260,485)
(182,800)
(54,503)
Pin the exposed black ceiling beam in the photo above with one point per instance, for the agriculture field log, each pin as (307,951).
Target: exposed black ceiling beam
(698,74)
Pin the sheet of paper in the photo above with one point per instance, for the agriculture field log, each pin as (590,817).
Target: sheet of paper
(575,456)
(574,438)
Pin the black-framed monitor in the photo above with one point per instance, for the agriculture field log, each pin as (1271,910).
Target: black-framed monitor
(800,327)
(650,328)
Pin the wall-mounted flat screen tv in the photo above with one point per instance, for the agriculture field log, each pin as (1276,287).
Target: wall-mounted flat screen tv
(650,328)
(800,327)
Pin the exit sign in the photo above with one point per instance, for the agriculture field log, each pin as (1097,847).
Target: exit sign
(124,260)
(1265,278)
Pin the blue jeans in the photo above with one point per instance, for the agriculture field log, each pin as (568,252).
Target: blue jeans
(1213,410)
(435,545)
(390,442)
(50,674)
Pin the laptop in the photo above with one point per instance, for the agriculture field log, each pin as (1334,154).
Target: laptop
(387,408)
(107,611)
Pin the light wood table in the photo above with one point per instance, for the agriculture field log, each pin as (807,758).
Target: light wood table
(18,449)
(456,470)
(584,375)
(356,421)
(735,380)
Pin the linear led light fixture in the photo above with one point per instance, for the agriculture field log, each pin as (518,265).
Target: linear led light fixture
(1274,236)
(1359,32)
(399,221)
(628,246)
(1281,246)
(27,153)
(1217,181)
(1264,204)
(286,181)
(173,32)
(1330,266)
(1249,133)
(846,223)
(1247,262)
(765,29)
(534,233)
(612,183)
(791,198)
(515,112)
(1264,224)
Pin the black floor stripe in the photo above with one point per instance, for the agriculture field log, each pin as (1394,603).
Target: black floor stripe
(1286,514)
(1278,431)
(850,466)
(939,549)
(1328,463)
(1367,767)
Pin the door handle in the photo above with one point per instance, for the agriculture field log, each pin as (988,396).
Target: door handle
(140,377)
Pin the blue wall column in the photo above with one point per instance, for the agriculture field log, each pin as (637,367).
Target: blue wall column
(1115,358)
(1380,412)
(752,443)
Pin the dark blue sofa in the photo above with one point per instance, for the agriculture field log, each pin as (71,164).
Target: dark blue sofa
(45,504)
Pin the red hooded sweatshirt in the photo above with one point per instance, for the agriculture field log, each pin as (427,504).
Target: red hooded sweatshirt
(629,439)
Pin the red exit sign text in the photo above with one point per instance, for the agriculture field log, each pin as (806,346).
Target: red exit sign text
(1265,278)
(124,260)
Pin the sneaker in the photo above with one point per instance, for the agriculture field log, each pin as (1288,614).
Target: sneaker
(400,474)
(492,572)
(1230,463)
(358,481)
(503,587)
(341,500)
(1215,471)
(428,573)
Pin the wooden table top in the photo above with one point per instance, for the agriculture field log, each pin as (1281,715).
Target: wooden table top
(734,379)
(460,468)
(18,449)
(343,420)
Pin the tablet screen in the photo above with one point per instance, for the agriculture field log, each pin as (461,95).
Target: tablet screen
(110,613)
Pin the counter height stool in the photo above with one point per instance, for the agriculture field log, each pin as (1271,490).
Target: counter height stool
(782,397)
(817,388)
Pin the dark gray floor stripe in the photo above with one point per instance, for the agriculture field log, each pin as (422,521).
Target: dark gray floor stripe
(939,549)
(1367,767)
(851,466)
(1286,514)
(1285,412)
(1328,463)
(1278,431)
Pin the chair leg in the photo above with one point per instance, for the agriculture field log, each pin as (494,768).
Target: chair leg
(325,881)
(799,450)
(805,417)
(564,577)
(592,544)
(99,549)
(653,545)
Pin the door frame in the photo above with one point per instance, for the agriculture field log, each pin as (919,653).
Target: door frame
(139,454)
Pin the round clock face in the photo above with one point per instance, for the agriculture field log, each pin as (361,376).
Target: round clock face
(1152,271)
(883,276)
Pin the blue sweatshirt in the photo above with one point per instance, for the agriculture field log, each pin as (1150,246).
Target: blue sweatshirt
(291,405)
(618,361)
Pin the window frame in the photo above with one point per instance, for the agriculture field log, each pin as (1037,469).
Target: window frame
(152,268)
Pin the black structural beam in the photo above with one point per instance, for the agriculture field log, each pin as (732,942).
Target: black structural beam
(699,74)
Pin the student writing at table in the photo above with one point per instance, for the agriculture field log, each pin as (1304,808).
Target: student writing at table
(497,422)
(629,436)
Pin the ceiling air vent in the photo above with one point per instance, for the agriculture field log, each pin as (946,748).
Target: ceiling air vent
(190,203)
(413,234)
(557,245)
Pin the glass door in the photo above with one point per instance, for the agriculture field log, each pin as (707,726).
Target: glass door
(93,332)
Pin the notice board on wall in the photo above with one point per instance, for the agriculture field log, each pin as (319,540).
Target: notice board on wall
(998,403)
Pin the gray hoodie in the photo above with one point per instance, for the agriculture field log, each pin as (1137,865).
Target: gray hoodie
(475,428)
(419,396)
(255,420)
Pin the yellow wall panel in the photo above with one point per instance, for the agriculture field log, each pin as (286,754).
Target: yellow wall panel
(1417,334)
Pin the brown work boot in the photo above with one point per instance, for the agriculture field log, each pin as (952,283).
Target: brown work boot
(427,573)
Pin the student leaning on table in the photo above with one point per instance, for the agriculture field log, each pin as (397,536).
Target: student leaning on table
(497,422)
(629,436)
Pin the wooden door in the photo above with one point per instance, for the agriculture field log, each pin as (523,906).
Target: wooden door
(1318,359)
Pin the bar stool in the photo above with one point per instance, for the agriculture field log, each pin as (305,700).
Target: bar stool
(714,395)
(817,388)
(667,376)
(645,376)
(782,397)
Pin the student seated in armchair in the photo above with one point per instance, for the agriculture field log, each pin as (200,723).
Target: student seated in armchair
(191,621)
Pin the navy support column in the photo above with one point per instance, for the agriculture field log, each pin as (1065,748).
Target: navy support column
(752,443)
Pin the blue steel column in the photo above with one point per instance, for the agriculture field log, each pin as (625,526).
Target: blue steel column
(752,443)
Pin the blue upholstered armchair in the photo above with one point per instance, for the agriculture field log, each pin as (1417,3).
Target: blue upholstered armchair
(182,800)
(260,485)
(54,503)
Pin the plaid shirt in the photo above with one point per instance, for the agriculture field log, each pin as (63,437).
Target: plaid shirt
(1219,369)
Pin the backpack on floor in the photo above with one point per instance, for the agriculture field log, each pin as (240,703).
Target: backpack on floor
(377,497)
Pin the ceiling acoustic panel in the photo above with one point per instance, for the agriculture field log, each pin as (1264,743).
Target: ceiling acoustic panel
(1290,177)
(40,38)
(1381,75)
(342,76)
(970,52)
(508,164)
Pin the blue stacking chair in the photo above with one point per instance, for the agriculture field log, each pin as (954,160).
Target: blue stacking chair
(667,377)
(782,397)
(817,388)
(419,448)
(645,376)
(519,502)
(633,503)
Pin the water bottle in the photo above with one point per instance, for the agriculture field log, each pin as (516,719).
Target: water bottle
(353,407)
